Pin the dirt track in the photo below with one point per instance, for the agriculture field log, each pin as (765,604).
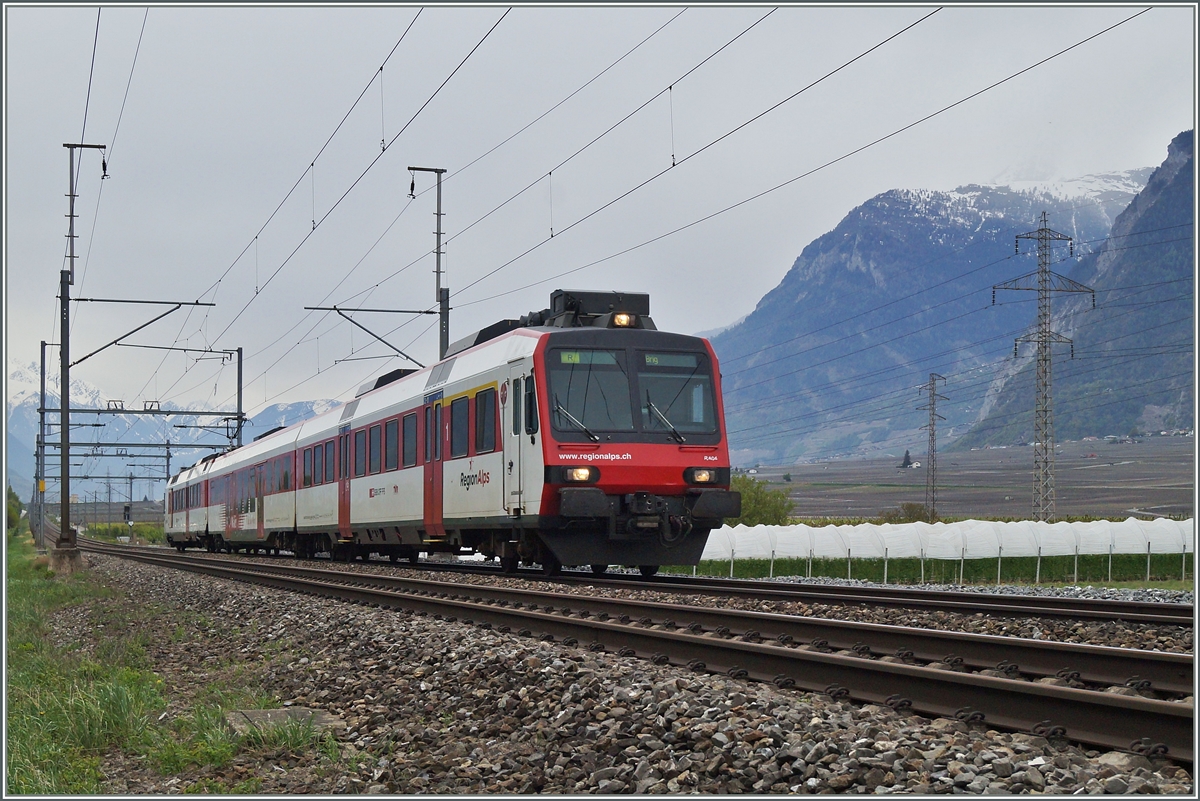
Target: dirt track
(1155,476)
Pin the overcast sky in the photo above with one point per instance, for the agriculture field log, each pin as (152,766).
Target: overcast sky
(225,109)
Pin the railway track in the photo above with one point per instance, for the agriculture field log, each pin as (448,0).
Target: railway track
(905,668)
(902,597)
(970,603)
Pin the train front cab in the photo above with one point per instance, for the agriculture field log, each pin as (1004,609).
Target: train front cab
(636,461)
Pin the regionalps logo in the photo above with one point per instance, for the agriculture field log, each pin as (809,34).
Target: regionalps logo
(468,480)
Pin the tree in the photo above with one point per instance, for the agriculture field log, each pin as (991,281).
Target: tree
(761,506)
(14,510)
(907,460)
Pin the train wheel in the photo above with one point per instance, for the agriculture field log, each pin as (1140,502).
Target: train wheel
(394,557)
(550,565)
(509,563)
(599,570)
(647,570)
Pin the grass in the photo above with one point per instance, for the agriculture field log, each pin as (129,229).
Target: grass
(1128,570)
(67,708)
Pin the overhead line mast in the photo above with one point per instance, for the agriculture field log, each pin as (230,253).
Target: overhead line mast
(65,556)
(442,294)
(1044,281)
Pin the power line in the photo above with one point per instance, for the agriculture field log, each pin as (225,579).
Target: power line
(923,329)
(374,161)
(470,164)
(213,288)
(784,398)
(776,187)
(958,388)
(612,128)
(112,144)
(573,155)
(659,174)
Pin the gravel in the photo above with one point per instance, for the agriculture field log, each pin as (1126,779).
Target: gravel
(431,706)
(1149,595)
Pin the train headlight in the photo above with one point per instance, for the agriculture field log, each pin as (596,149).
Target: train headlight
(706,475)
(580,475)
(624,320)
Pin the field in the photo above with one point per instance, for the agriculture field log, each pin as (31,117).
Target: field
(1155,476)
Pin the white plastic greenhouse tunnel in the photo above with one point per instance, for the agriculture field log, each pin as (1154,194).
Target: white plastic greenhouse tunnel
(968,539)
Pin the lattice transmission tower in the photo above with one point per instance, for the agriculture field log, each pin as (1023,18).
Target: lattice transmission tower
(931,458)
(1045,281)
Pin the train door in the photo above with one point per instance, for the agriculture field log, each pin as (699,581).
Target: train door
(343,474)
(230,497)
(434,451)
(511,421)
(260,482)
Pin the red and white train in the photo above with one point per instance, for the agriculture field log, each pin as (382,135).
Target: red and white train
(579,435)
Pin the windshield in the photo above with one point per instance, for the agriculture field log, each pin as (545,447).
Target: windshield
(593,391)
(676,391)
(591,386)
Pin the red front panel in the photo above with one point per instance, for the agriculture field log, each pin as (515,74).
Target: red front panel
(627,467)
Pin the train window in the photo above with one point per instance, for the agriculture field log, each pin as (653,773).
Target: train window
(374,449)
(438,433)
(318,464)
(391,445)
(589,389)
(308,465)
(360,453)
(679,385)
(485,421)
(329,461)
(531,415)
(344,457)
(516,407)
(410,440)
(428,434)
(460,422)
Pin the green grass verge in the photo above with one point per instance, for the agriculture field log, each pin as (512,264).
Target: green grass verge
(1128,570)
(67,708)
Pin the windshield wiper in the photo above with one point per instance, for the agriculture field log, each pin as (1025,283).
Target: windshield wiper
(558,407)
(674,433)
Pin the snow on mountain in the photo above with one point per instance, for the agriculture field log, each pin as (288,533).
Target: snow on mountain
(1101,186)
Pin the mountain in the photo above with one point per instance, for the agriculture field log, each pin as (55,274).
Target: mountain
(828,363)
(1132,369)
(21,427)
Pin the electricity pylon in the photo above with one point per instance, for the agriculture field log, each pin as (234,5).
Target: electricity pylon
(1044,281)
(931,459)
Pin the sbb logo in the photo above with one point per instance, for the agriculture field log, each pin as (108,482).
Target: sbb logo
(468,480)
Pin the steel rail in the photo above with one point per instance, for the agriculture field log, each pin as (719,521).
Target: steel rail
(903,597)
(1023,605)
(1101,719)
